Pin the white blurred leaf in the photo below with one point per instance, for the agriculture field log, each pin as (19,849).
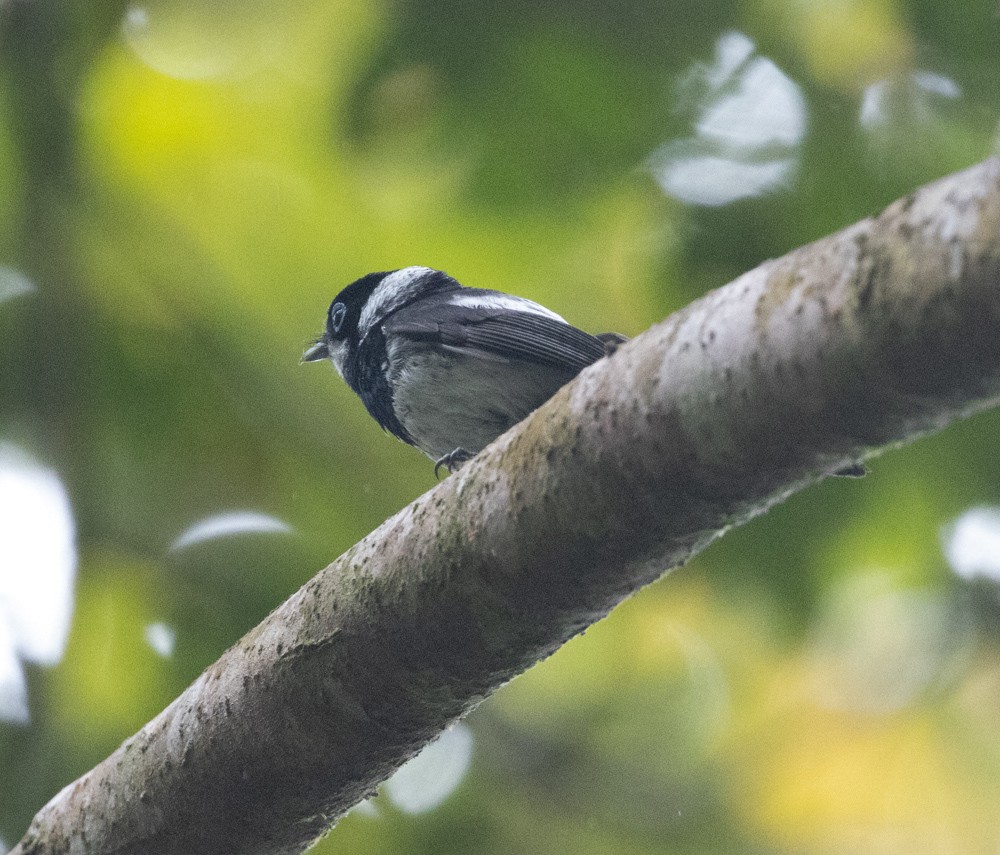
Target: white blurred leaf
(423,783)
(229,524)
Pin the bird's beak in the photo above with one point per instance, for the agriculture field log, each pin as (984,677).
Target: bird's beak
(316,352)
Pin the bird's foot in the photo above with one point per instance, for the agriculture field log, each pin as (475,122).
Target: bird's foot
(855,470)
(611,341)
(453,460)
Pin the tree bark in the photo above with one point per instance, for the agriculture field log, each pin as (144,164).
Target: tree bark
(874,336)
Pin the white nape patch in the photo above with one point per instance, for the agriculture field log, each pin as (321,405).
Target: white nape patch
(505,302)
(392,292)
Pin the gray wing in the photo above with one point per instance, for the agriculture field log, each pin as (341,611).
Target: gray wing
(502,331)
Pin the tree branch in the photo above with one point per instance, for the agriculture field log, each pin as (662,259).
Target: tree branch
(871,337)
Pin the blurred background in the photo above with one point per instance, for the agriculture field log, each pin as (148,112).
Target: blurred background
(183,188)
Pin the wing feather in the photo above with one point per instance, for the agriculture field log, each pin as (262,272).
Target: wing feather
(501,330)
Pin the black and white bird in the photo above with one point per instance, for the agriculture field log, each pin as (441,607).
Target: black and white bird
(446,368)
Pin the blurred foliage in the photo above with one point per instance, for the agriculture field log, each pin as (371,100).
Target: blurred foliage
(183,188)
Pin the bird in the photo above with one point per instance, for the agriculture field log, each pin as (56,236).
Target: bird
(446,368)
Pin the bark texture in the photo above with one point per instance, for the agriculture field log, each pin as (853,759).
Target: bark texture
(868,338)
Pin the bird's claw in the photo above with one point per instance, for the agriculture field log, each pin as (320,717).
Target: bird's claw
(611,341)
(855,470)
(453,460)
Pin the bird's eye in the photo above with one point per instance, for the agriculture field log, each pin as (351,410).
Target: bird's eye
(337,313)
